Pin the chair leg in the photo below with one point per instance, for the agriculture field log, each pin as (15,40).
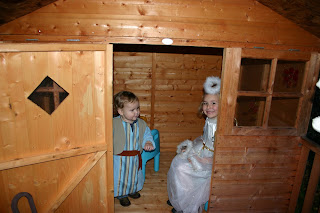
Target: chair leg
(157,162)
(144,170)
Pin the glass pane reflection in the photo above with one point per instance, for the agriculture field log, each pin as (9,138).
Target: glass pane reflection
(250,110)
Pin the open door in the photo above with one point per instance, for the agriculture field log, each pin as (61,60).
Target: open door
(266,100)
(56,127)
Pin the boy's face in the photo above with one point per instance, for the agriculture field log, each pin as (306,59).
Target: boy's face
(210,105)
(130,111)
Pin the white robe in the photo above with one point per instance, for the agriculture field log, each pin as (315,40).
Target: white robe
(189,176)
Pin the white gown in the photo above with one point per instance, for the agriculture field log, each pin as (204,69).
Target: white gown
(189,176)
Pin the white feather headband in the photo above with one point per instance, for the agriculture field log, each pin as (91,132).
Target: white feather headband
(212,85)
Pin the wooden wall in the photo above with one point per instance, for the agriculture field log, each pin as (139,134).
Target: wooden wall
(254,173)
(60,158)
(258,170)
(169,86)
(220,23)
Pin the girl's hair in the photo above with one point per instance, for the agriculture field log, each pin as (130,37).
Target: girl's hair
(200,113)
(121,98)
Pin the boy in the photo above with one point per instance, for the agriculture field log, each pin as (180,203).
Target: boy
(130,135)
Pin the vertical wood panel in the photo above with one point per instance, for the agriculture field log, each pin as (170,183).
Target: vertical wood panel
(298,178)
(13,125)
(153,89)
(270,91)
(312,185)
(40,131)
(60,70)
(229,88)
(99,94)
(108,126)
(308,91)
(83,90)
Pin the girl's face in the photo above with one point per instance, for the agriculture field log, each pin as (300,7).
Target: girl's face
(210,105)
(130,111)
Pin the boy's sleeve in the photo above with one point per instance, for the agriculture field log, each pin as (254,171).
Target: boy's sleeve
(148,137)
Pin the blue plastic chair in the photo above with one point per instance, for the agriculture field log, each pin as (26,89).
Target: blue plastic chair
(153,154)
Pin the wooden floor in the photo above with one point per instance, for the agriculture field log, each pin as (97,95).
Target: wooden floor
(154,193)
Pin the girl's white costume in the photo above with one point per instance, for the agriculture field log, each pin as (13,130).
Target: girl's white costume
(189,176)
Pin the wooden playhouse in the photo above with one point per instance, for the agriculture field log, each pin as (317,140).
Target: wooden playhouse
(61,65)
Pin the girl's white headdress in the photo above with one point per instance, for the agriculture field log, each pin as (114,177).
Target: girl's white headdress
(212,85)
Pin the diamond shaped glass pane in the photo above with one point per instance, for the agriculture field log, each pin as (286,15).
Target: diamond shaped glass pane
(48,95)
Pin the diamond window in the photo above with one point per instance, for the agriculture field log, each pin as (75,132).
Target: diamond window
(48,95)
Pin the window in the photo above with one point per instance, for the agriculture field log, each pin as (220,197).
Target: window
(270,90)
(48,95)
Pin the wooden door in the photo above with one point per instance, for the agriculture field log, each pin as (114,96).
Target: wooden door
(56,127)
(266,99)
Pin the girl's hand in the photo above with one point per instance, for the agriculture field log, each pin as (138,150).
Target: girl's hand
(205,159)
(148,146)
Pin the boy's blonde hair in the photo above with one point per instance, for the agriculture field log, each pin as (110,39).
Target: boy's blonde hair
(121,98)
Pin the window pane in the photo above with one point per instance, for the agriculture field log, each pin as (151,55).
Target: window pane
(254,74)
(48,95)
(289,75)
(250,110)
(283,112)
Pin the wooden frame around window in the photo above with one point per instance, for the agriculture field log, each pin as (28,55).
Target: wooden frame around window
(231,74)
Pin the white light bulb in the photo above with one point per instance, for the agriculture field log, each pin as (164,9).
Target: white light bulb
(167,41)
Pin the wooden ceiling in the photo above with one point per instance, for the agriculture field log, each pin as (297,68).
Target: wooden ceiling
(305,13)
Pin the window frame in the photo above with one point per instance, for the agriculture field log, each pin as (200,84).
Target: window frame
(305,95)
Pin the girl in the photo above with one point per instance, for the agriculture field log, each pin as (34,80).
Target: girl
(189,176)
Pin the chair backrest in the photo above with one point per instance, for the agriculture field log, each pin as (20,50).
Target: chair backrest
(144,118)
(155,134)
(156,138)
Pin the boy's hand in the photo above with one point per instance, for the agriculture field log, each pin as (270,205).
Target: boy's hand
(148,146)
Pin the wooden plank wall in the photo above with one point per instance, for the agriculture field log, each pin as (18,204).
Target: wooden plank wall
(50,156)
(221,23)
(254,173)
(169,86)
(68,126)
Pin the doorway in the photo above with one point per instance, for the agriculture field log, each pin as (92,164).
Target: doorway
(169,83)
